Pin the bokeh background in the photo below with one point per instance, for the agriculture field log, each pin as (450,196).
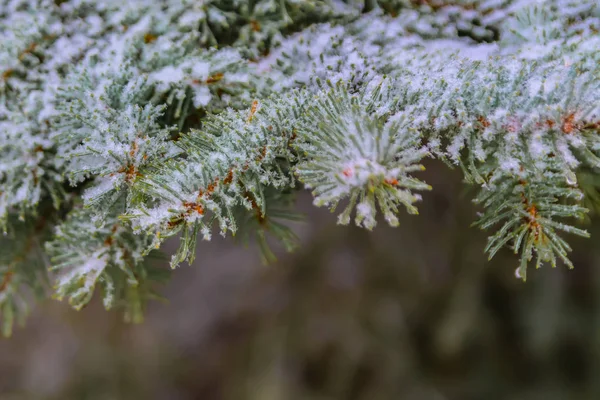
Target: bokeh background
(415,312)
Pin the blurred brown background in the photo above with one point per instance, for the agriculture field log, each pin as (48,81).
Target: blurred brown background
(414,312)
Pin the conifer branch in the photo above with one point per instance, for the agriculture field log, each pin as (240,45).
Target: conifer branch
(181,118)
(111,259)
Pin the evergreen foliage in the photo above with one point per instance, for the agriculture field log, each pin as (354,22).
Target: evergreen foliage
(123,124)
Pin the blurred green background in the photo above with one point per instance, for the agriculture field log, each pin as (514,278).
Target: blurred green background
(415,312)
